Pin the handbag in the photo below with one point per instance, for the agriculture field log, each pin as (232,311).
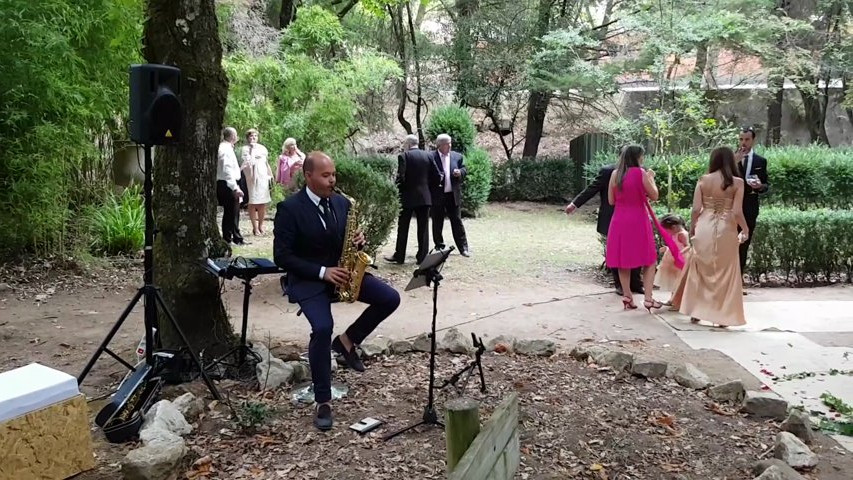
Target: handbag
(667,239)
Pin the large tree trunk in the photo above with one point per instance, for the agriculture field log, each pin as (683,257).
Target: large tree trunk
(537,109)
(287,14)
(183,33)
(846,93)
(815,114)
(537,103)
(463,47)
(775,85)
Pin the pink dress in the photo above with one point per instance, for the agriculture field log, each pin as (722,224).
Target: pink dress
(630,240)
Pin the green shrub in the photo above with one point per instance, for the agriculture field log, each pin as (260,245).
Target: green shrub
(454,121)
(383,164)
(802,177)
(478,181)
(535,179)
(799,244)
(118,226)
(376,195)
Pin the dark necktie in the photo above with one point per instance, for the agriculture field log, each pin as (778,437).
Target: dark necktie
(327,212)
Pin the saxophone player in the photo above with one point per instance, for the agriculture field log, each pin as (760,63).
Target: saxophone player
(309,235)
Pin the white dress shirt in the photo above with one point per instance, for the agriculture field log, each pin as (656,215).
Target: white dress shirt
(316,199)
(445,160)
(748,168)
(227,167)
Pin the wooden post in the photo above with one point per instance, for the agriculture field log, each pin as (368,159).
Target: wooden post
(463,425)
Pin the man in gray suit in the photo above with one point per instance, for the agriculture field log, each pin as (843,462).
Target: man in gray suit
(447,195)
(416,176)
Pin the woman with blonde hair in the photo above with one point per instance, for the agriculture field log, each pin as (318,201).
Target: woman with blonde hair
(258,174)
(289,163)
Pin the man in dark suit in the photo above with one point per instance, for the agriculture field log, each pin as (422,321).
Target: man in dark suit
(447,195)
(416,175)
(605,213)
(310,227)
(753,169)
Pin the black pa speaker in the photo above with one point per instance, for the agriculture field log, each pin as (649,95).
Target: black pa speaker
(156,112)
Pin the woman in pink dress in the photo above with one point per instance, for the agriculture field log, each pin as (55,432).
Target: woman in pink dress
(630,240)
(289,163)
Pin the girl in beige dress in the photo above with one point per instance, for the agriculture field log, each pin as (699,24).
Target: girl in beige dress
(712,288)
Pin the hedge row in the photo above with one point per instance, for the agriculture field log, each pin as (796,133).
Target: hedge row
(543,179)
(802,177)
(801,244)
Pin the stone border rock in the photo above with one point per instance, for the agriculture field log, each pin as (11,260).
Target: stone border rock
(791,449)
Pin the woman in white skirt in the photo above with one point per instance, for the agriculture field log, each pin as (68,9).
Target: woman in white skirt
(258,174)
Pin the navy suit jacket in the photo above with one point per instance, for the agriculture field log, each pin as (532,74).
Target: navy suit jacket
(301,244)
(456,161)
(599,187)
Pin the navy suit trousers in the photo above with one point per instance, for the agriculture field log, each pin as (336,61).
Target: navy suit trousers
(382,299)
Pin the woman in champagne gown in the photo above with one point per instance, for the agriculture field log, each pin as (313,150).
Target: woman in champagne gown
(712,288)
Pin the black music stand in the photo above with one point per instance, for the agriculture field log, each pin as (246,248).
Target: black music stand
(152,299)
(429,271)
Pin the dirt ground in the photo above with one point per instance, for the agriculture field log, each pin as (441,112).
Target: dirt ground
(527,259)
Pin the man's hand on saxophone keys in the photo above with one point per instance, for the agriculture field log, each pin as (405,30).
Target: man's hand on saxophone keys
(359,240)
(336,275)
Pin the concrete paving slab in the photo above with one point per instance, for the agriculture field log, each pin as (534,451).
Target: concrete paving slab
(775,354)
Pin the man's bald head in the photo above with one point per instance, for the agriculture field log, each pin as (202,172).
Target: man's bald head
(315,159)
(320,174)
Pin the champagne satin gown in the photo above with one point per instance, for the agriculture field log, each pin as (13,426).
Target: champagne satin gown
(712,286)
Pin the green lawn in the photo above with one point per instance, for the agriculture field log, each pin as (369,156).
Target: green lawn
(508,241)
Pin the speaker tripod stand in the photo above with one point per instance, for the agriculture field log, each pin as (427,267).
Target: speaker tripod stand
(152,299)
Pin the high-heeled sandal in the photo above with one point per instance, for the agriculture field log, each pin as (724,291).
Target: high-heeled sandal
(650,304)
(628,303)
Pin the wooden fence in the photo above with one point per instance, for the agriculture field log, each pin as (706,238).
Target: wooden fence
(495,452)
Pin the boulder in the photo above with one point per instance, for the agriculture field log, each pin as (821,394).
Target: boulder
(535,348)
(728,392)
(501,344)
(618,360)
(456,342)
(375,348)
(776,472)
(799,424)
(273,372)
(421,343)
(154,462)
(401,346)
(648,367)
(782,468)
(794,452)
(189,406)
(688,375)
(164,415)
(301,371)
(765,405)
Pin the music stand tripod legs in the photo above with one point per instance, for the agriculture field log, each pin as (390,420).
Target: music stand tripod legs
(431,274)
(152,299)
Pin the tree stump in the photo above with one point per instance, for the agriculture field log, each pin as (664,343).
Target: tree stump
(463,425)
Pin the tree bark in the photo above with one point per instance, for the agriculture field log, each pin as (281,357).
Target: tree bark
(814,113)
(847,93)
(463,46)
(537,104)
(396,18)
(287,14)
(416,57)
(774,110)
(701,63)
(184,33)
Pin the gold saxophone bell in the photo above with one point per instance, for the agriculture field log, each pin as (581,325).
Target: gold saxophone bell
(354,260)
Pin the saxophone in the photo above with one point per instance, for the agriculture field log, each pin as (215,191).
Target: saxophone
(353,259)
